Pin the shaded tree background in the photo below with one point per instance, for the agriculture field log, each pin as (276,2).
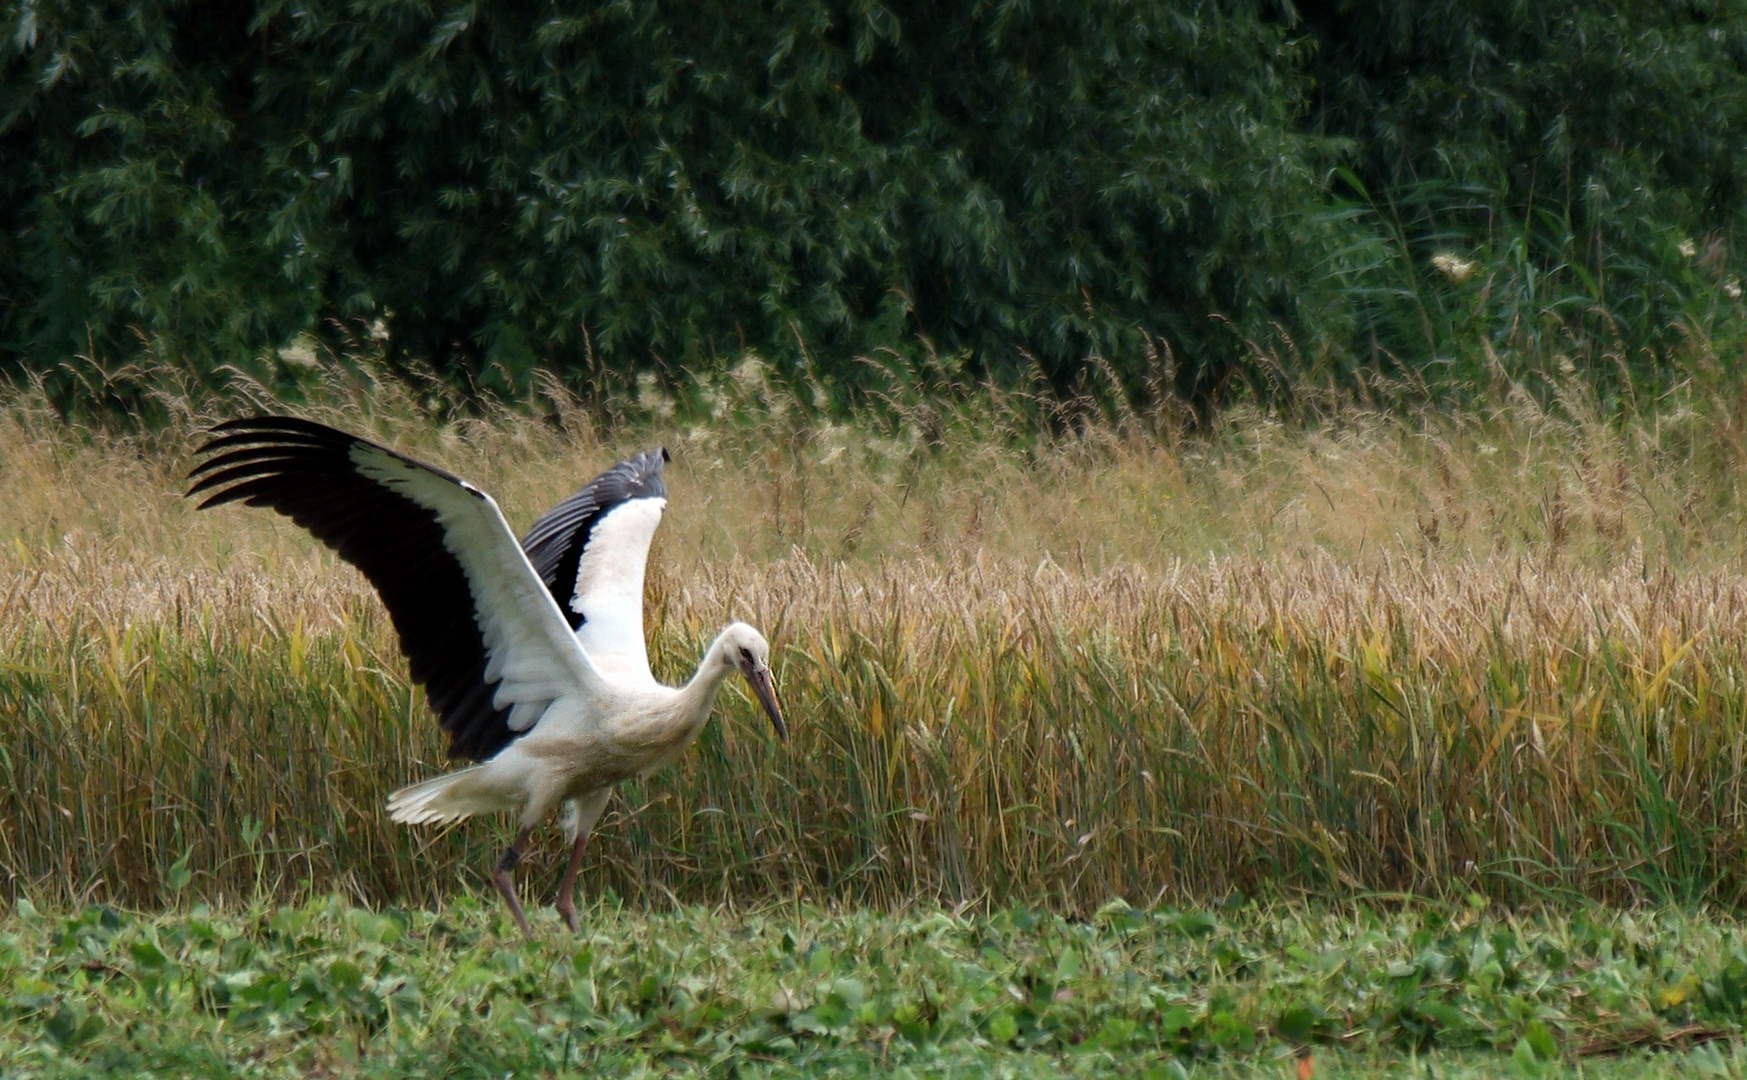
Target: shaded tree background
(1004,187)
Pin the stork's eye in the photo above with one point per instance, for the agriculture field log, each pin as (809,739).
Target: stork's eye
(746,654)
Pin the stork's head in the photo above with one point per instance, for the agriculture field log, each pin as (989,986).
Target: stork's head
(745,648)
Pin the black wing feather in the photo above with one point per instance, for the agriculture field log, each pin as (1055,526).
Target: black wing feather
(305,471)
(556,541)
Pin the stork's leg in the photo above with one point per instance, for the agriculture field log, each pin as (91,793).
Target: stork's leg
(504,877)
(567,885)
(588,811)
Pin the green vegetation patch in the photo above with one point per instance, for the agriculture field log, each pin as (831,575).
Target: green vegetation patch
(327,989)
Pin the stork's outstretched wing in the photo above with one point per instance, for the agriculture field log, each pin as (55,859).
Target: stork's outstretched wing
(479,629)
(591,549)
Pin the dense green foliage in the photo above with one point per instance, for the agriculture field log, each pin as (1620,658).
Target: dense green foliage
(327,990)
(594,188)
(1585,157)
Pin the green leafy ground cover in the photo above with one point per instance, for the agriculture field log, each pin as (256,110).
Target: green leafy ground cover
(329,990)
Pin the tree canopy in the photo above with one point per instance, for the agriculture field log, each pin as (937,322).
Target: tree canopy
(497,188)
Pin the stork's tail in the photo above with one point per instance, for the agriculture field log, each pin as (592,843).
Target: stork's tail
(446,798)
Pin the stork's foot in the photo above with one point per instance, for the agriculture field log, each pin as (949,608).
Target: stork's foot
(567,908)
(504,878)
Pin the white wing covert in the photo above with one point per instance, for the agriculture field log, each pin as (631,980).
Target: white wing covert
(591,550)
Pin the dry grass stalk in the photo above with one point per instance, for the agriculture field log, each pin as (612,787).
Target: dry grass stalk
(1027,679)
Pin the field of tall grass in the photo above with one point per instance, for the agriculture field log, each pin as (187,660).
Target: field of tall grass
(1326,650)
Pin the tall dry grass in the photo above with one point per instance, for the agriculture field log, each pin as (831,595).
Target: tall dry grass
(1363,650)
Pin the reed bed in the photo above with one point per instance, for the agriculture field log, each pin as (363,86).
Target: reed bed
(1365,654)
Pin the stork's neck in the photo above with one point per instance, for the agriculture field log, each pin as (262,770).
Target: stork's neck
(696,696)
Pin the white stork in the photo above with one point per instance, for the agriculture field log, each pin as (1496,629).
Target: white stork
(530,654)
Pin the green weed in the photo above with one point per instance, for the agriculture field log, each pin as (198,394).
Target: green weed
(324,988)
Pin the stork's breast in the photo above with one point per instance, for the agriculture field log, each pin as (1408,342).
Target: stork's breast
(581,766)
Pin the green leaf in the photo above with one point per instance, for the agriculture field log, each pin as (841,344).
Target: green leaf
(1299,1023)
(71,1026)
(1002,1027)
(177,877)
(1541,1041)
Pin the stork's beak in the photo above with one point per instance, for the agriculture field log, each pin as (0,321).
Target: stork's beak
(761,685)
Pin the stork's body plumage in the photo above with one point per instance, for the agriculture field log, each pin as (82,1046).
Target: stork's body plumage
(531,654)
(566,756)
